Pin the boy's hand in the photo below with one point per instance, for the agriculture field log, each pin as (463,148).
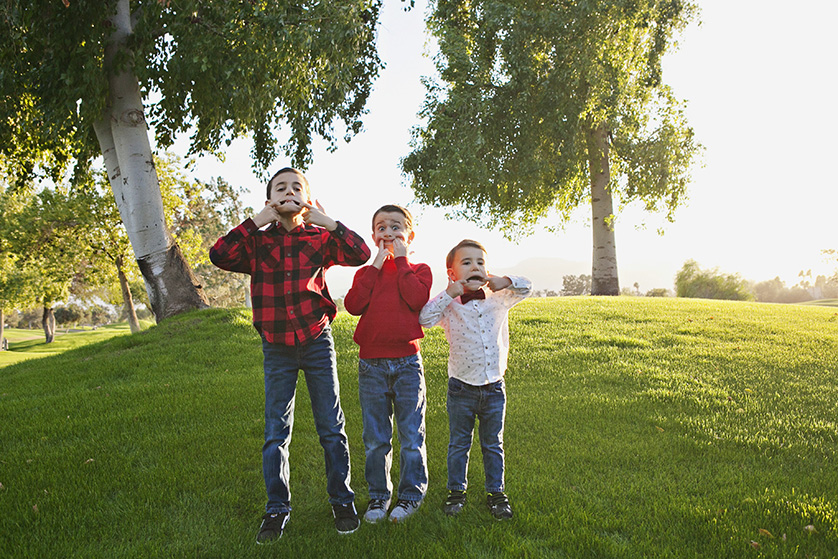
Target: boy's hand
(382,256)
(456,288)
(399,247)
(496,283)
(317,216)
(266,216)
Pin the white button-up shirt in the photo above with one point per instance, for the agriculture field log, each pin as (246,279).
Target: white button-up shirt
(477,332)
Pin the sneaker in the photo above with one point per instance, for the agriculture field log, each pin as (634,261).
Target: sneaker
(404,509)
(272,527)
(455,502)
(346,518)
(498,504)
(377,510)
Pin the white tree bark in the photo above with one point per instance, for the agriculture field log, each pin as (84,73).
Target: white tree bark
(604,276)
(123,137)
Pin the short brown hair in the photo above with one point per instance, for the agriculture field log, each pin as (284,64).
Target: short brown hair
(288,170)
(449,260)
(395,208)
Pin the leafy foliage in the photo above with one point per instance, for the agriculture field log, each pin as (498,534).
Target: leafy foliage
(692,281)
(524,84)
(217,69)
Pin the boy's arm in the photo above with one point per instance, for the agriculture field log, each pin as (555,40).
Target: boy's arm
(414,283)
(344,247)
(232,252)
(432,313)
(514,289)
(358,297)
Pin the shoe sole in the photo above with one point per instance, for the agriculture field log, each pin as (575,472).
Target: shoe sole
(352,531)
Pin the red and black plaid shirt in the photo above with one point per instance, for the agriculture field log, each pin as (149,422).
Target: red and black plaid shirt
(291,303)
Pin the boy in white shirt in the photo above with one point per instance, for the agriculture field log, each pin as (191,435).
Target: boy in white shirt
(476,324)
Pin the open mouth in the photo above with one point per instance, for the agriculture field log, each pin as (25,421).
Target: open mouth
(475,278)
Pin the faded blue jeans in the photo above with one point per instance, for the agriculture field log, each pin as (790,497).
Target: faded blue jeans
(386,386)
(282,366)
(486,403)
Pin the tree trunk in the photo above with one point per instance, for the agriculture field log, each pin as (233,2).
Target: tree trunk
(48,322)
(127,298)
(2,330)
(604,277)
(123,137)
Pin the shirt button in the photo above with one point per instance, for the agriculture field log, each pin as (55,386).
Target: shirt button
(287,273)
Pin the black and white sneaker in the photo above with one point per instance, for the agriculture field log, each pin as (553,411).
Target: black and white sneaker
(273,525)
(499,506)
(346,518)
(455,502)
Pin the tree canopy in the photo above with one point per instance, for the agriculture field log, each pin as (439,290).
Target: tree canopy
(542,106)
(216,69)
(82,78)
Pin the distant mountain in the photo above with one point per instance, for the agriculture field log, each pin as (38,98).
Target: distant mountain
(547,274)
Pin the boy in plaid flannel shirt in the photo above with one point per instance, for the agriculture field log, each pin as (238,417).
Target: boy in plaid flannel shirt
(292,310)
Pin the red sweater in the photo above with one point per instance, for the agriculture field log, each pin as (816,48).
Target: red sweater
(389,301)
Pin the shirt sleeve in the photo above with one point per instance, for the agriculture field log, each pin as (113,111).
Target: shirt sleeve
(346,248)
(520,289)
(234,251)
(414,283)
(432,313)
(358,297)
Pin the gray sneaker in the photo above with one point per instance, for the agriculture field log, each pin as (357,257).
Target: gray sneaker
(377,510)
(403,510)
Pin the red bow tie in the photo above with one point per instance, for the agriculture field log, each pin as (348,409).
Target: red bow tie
(469,295)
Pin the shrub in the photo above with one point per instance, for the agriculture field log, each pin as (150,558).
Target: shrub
(692,281)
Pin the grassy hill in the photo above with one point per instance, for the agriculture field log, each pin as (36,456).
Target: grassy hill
(635,428)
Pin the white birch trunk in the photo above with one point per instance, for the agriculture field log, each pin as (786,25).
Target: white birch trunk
(123,137)
(604,276)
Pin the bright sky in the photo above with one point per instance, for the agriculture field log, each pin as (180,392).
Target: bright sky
(758,76)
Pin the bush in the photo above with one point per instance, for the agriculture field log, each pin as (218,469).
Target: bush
(692,281)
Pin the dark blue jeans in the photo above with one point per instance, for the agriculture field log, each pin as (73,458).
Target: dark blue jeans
(282,366)
(487,404)
(385,386)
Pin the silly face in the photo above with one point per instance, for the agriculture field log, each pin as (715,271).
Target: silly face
(288,191)
(388,226)
(469,264)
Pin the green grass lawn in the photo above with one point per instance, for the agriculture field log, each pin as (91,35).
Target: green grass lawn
(30,344)
(636,427)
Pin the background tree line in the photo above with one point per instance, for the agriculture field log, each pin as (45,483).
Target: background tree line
(694,282)
(66,243)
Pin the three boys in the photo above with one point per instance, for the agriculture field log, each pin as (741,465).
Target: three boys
(292,310)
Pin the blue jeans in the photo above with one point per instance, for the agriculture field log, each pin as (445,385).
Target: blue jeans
(385,385)
(487,403)
(282,366)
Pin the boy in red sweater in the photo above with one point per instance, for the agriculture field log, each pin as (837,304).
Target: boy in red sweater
(388,295)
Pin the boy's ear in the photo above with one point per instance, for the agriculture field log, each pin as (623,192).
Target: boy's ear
(451,275)
(410,237)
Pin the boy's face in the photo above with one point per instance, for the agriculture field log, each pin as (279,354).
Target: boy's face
(288,191)
(388,226)
(469,264)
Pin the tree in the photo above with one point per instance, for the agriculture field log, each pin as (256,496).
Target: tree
(692,281)
(544,105)
(576,285)
(75,75)
(42,234)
